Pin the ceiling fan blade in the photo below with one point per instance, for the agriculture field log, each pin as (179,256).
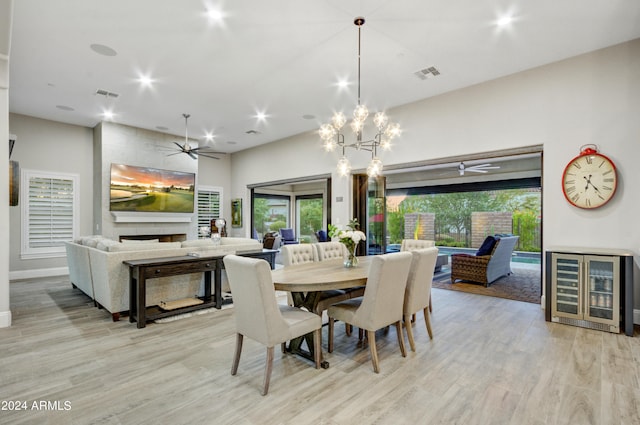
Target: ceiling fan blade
(175,153)
(483,167)
(202,149)
(208,156)
(474,170)
(180,146)
(191,155)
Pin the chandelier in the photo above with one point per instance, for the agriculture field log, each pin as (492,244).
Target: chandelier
(333,137)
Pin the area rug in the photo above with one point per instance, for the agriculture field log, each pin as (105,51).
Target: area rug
(524,284)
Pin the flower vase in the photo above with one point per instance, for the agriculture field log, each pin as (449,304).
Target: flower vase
(351,260)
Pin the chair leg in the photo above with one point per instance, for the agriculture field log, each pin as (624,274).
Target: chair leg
(430,306)
(317,347)
(283,347)
(348,329)
(360,334)
(401,338)
(427,320)
(267,370)
(407,324)
(236,356)
(330,342)
(371,336)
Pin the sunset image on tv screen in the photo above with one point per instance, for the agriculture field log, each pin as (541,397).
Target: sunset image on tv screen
(148,189)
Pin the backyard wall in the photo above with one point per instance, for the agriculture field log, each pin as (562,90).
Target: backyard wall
(423,222)
(485,223)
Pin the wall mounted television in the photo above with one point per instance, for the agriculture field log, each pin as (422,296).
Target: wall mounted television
(146,189)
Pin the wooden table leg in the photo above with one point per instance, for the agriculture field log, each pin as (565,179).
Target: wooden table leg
(308,302)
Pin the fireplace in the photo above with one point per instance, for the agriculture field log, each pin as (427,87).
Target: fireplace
(176,237)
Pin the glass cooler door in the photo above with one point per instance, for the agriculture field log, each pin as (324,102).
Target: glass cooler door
(603,297)
(566,287)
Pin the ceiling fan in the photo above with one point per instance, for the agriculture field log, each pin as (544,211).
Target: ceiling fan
(191,151)
(480,168)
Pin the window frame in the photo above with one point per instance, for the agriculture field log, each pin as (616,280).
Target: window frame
(26,251)
(209,189)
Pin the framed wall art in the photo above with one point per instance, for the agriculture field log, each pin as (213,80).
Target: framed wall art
(236,212)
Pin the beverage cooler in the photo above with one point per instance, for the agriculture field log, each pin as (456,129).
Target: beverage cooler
(590,288)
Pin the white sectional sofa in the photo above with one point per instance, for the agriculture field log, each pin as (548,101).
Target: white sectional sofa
(96,268)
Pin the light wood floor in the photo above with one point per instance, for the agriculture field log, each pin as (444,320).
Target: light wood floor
(492,361)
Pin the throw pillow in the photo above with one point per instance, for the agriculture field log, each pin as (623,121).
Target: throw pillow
(487,246)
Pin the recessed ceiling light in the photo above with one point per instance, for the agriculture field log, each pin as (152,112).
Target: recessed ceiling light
(215,15)
(209,137)
(65,108)
(261,116)
(107,115)
(343,84)
(505,20)
(101,49)
(162,128)
(145,81)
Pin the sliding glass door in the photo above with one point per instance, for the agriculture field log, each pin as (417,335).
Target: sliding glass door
(309,217)
(270,213)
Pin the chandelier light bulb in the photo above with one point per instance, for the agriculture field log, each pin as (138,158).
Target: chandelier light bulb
(375,167)
(393,130)
(380,120)
(357,126)
(344,167)
(329,145)
(327,132)
(385,144)
(338,120)
(360,113)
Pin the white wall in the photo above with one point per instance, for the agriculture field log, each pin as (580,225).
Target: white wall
(592,98)
(49,146)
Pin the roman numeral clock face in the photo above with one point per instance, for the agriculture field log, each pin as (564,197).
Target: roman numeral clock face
(589,180)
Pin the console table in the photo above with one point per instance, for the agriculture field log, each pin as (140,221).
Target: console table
(141,270)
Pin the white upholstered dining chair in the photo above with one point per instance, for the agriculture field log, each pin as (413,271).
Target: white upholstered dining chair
(297,254)
(381,304)
(413,244)
(418,291)
(259,316)
(330,250)
(333,251)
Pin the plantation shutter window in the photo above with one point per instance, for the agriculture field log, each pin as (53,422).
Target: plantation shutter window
(50,213)
(209,205)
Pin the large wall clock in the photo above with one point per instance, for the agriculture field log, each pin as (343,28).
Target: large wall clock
(589,180)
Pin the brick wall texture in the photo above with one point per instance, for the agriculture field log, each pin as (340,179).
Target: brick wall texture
(423,222)
(484,224)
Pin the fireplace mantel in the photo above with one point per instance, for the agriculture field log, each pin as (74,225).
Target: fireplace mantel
(141,217)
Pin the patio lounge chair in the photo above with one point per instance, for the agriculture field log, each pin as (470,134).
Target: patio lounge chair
(489,263)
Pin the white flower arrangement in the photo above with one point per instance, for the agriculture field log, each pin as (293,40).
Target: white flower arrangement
(349,237)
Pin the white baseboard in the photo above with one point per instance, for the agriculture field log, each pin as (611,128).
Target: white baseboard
(31,274)
(5,319)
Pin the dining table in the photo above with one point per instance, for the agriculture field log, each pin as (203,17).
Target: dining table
(307,281)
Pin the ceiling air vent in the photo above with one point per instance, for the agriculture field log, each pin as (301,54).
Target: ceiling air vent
(252,132)
(425,73)
(106,93)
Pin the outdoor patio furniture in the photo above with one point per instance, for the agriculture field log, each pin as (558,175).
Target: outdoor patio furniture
(485,268)
(288,236)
